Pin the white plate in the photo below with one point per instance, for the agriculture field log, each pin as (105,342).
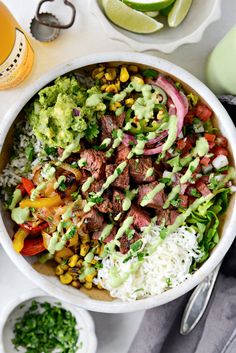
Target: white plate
(200,16)
(18,307)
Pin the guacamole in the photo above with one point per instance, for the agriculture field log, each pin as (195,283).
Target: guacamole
(61,114)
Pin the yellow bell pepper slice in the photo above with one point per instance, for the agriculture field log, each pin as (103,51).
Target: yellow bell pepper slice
(19,237)
(43,202)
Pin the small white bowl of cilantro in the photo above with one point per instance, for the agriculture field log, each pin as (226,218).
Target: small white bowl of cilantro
(39,323)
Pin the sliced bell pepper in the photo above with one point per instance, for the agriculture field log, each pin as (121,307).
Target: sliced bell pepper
(22,189)
(43,202)
(34,230)
(19,238)
(28,185)
(33,247)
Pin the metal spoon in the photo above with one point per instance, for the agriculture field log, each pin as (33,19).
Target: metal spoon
(197,303)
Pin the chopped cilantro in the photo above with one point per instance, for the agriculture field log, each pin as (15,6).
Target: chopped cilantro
(117,198)
(195,193)
(50,150)
(95,199)
(168,282)
(114,133)
(138,290)
(137,245)
(71,233)
(223,169)
(46,328)
(127,259)
(130,233)
(98,265)
(75,195)
(118,171)
(140,256)
(62,186)
(150,73)
(165,180)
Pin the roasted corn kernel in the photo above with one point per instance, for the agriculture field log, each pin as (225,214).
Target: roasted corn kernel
(84,248)
(59,270)
(124,74)
(63,254)
(110,75)
(133,69)
(129,102)
(111,88)
(79,263)
(103,87)
(66,278)
(73,260)
(64,266)
(76,284)
(89,278)
(137,79)
(97,71)
(88,285)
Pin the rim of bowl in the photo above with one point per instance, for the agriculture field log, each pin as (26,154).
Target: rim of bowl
(112,31)
(116,306)
(87,321)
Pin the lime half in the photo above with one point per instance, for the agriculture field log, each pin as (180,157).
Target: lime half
(148,5)
(127,18)
(178,12)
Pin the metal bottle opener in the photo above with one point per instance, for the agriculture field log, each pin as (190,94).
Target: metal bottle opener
(45,27)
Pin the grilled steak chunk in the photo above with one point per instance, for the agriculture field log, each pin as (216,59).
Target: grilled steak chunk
(84,177)
(123,180)
(108,125)
(139,168)
(122,153)
(141,218)
(169,216)
(117,200)
(93,220)
(94,162)
(96,235)
(157,201)
(105,206)
(125,242)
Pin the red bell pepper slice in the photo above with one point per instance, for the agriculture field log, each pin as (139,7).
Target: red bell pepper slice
(33,246)
(28,185)
(34,230)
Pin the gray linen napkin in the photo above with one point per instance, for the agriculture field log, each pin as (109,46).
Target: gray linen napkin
(159,330)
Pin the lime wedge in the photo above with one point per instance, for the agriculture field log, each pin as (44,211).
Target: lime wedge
(127,18)
(152,13)
(178,12)
(148,5)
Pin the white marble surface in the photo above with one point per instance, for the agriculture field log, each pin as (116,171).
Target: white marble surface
(115,332)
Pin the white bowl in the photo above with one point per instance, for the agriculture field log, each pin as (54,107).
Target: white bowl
(200,16)
(70,294)
(17,308)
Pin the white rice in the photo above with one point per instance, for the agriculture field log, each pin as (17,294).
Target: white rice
(19,165)
(168,266)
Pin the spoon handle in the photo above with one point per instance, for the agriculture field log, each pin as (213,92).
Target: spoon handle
(197,303)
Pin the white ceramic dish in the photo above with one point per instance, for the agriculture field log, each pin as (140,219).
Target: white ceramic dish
(69,294)
(200,16)
(18,307)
